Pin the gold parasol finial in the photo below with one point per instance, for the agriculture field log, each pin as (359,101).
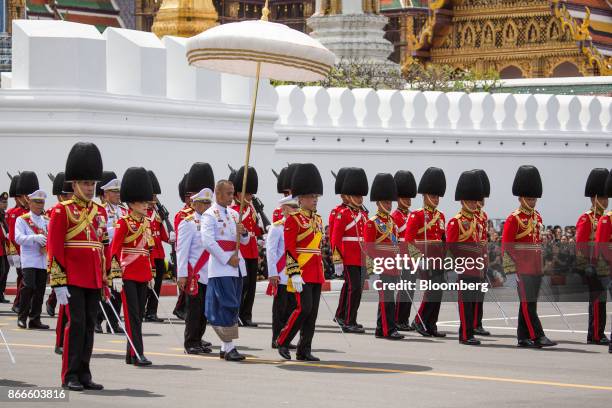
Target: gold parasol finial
(265,12)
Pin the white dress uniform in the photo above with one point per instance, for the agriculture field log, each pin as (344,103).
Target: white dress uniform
(219,224)
(275,249)
(190,248)
(114,212)
(33,254)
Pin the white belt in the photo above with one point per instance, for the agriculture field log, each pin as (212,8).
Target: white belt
(353,239)
(402,240)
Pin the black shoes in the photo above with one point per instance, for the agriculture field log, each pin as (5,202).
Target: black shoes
(15,309)
(153,318)
(139,362)
(339,320)
(470,342)
(601,342)
(405,327)
(290,346)
(90,385)
(545,342)
(247,323)
(59,350)
(283,351)
(50,310)
(610,349)
(420,328)
(207,344)
(73,385)
(353,329)
(98,328)
(480,331)
(22,324)
(37,324)
(234,355)
(179,313)
(4,300)
(307,356)
(436,333)
(528,343)
(198,350)
(392,336)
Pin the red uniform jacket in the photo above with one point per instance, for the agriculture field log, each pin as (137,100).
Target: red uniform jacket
(303,236)
(130,250)
(77,244)
(586,227)
(603,238)
(11,218)
(159,234)
(380,234)
(483,224)
(400,217)
(522,244)
(348,236)
(277,214)
(331,220)
(249,220)
(464,239)
(427,239)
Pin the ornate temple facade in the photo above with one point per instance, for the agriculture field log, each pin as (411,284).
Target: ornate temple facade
(292,13)
(517,38)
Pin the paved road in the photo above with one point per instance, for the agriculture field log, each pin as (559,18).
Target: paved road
(416,372)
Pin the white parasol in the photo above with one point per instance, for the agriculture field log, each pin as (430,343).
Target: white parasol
(260,49)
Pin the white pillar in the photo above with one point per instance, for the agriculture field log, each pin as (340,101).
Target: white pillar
(352,7)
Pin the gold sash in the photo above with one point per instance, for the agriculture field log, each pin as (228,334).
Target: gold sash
(81,223)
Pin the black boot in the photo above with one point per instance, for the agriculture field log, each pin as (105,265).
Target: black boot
(233,355)
(480,331)
(37,324)
(283,351)
(90,385)
(21,323)
(98,327)
(470,342)
(73,385)
(545,342)
(527,343)
(420,328)
(141,362)
(306,356)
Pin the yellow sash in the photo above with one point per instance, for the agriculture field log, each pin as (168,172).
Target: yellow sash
(304,257)
(81,223)
(430,223)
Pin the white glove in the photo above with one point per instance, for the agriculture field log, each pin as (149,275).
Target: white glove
(338,269)
(10,260)
(40,239)
(117,284)
(152,284)
(16,261)
(172,237)
(297,282)
(62,295)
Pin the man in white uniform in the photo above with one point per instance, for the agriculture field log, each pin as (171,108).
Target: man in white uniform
(283,304)
(192,272)
(226,268)
(31,235)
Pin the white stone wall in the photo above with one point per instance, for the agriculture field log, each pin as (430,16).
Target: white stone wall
(137,98)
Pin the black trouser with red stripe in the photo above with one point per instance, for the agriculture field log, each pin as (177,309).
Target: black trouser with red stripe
(597,307)
(282,306)
(403,302)
(529,325)
(341,309)
(152,303)
(429,310)
(466,300)
(60,326)
(249,285)
(195,320)
(302,319)
(477,309)
(134,297)
(32,293)
(79,333)
(354,287)
(385,317)
(19,286)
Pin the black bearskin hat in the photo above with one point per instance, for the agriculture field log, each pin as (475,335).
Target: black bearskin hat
(405,183)
(433,182)
(136,185)
(383,188)
(527,182)
(84,163)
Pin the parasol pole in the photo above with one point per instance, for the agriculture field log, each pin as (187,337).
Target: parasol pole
(248,153)
(265,12)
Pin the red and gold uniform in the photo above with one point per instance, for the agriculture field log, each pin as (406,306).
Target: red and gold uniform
(131,261)
(347,242)
(424,236)
(380,234)
(403,301)
(183,213)
(277,214)
(598,265)
(77,246)
(13,248)
(303,236)
(483,227)
(463,238)
(158,256)
(522,254)
(341,310)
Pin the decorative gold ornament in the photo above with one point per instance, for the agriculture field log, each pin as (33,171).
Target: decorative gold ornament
(184,18)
